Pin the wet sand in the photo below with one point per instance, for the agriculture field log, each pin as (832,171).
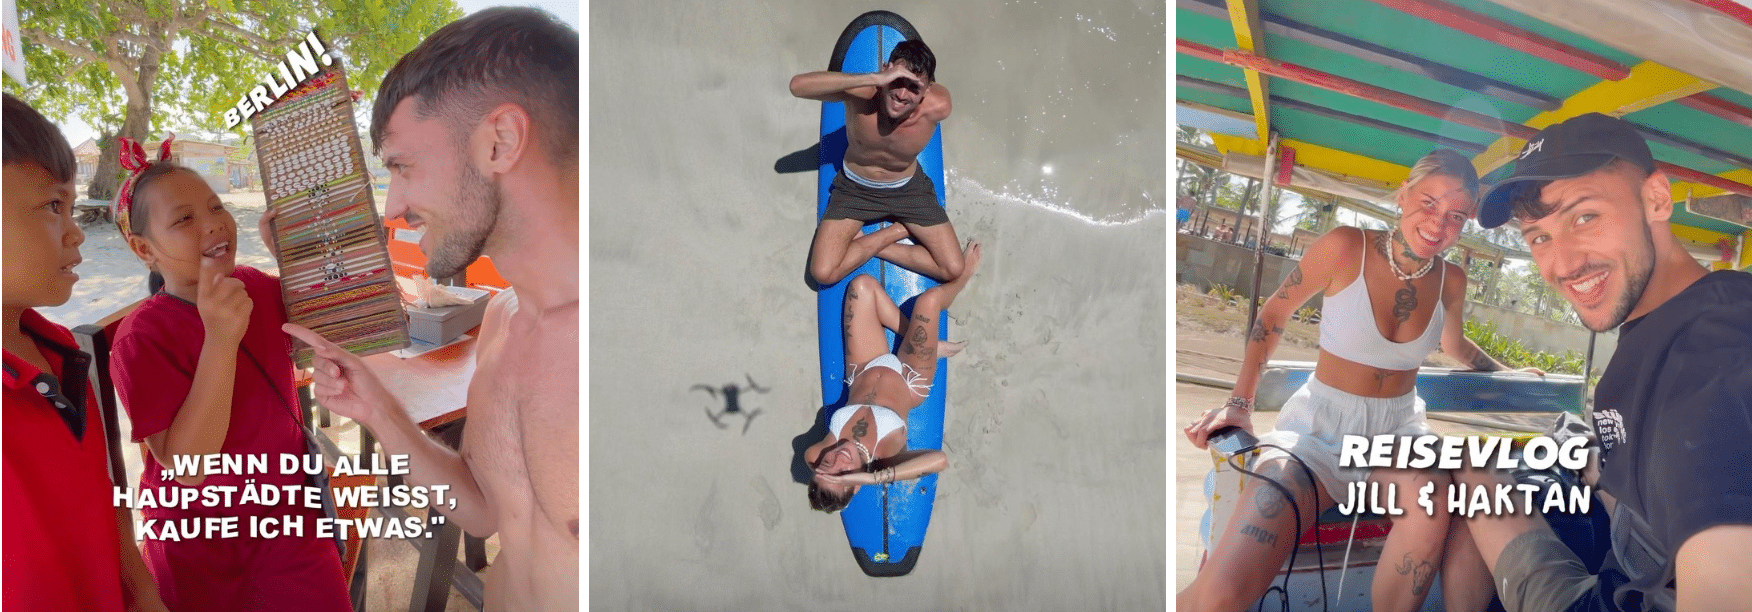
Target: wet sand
(1055,495)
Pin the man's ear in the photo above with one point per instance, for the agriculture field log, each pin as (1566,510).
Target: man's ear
(501,139)
(1657,197)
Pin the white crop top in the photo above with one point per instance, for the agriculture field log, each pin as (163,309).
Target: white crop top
(1348,329)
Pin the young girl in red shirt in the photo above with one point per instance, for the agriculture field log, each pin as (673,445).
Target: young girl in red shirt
(203,368)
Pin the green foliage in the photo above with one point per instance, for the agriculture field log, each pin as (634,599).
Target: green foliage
(84,57)
(1512,353)
(1224,293)
(1307,314)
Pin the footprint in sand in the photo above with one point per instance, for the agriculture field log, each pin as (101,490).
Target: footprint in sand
(770,512)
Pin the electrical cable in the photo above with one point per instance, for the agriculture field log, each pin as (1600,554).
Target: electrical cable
(1295,549)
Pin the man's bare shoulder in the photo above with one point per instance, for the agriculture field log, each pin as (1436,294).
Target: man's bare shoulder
(937,103)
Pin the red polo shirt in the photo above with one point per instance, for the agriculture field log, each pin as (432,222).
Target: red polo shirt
(62,550)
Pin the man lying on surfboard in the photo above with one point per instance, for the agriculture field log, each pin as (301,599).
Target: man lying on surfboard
(890,117)
(866,439)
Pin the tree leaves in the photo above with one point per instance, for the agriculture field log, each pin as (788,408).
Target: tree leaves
(217,50)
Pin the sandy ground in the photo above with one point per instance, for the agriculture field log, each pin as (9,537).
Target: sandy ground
(1055,496)
(112,277)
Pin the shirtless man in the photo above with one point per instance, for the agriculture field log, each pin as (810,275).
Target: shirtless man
(478,128)
(890,117)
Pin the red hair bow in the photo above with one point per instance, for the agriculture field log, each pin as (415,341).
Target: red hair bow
(133,158)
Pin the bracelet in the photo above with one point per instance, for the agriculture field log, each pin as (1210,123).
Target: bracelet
(1244,403)
(890,472)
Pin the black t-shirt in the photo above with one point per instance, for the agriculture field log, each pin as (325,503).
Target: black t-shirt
(1674,413)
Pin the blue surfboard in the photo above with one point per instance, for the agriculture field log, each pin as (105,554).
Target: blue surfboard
(885,524)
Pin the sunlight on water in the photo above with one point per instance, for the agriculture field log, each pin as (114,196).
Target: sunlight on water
(1048,200)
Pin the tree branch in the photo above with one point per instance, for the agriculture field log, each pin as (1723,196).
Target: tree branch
(130,12)
(45,39)
(263,47)
(123,67)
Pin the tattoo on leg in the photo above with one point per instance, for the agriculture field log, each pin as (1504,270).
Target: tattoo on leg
(1270,502)
(1264,537)
(1404,302)
(915,341)
(1294,280)
(846,320)
(1420,574)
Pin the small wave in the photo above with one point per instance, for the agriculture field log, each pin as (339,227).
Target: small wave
(979,191)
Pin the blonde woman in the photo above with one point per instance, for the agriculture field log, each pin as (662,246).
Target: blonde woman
(1390,300)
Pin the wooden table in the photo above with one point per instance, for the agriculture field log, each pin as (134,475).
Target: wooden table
(433,388)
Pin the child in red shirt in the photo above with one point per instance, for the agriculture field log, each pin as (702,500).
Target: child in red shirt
(67,547)
(202,368)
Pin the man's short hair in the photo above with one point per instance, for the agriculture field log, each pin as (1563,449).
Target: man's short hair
(917,56)
(1526,205)
(503,54)
(30,138)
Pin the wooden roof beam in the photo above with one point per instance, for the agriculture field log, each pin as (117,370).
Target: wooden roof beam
(1509,35)
(1321,111)
(1737,10)
(1250,37)
(1719,107)
(1351,87)
(1278,25)
(1649,84)
(1414,104)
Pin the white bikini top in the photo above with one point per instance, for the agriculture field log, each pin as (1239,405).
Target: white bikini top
(886,420)
(1348,329)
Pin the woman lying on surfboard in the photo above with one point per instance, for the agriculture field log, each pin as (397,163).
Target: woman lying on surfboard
(866,439)
(1390,300)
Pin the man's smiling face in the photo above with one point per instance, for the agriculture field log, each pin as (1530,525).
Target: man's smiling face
(1595,247)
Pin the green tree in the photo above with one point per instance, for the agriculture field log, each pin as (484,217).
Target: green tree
(122,66)
(1196,180)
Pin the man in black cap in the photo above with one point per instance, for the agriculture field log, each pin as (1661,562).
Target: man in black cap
(1673,410)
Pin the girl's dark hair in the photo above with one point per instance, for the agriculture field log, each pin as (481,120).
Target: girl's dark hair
(821,499)
(918,57)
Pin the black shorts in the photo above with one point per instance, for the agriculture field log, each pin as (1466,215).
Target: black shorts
(915,202)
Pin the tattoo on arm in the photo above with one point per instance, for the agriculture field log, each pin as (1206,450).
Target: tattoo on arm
(1260,333)
(1481,361)
(1294,280)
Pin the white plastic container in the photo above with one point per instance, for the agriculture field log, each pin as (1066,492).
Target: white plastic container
(438,326)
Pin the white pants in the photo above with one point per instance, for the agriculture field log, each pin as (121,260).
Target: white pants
(1315,420)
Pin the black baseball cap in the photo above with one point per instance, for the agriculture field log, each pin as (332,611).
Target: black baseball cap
(1570,149)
